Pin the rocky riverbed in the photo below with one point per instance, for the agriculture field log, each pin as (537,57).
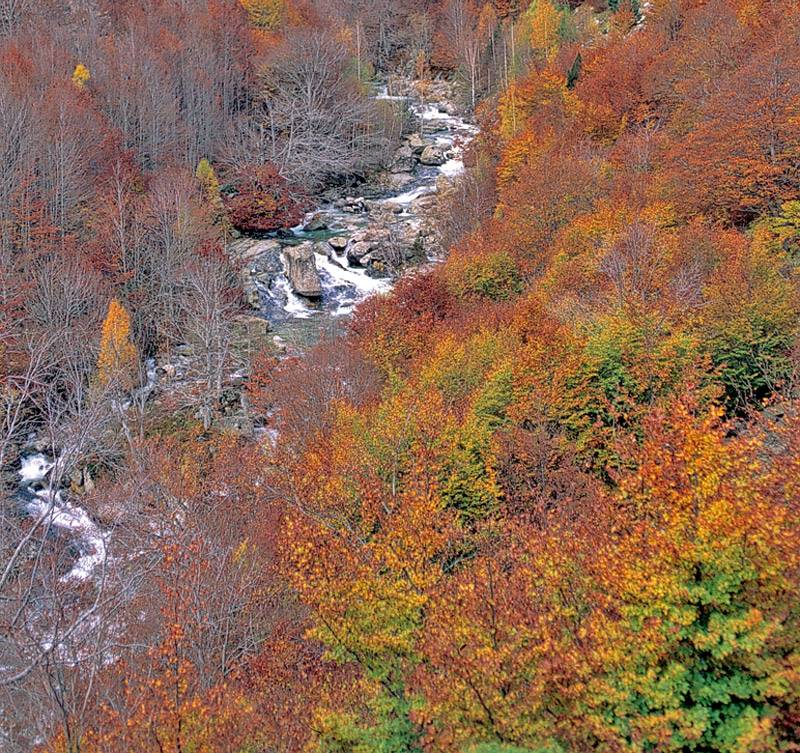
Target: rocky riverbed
(306,282)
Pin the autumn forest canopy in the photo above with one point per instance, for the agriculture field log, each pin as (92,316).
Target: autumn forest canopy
(399,376)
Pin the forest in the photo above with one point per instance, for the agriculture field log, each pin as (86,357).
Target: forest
(399,376)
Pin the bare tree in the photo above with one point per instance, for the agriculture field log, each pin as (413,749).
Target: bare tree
(208,305)
(316,123)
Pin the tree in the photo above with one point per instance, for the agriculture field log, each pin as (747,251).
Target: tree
(208,305)
(758,127)
(545,22)
(265,15)
(118,359)
(704,653)
(81,76)
(316,123)
(263,200)
(210,185)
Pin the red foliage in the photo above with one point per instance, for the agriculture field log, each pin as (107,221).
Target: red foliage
(398,327)
(263,201)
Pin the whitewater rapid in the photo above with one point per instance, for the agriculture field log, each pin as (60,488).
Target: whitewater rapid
(344,286)
(47,505)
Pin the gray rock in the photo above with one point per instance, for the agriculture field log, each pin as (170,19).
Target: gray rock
(404,160)
(398,180)
(167,370)
(437,125)
(81,481)
(251,326)
(250,249)
(301,269)
(354,205)
(338,243)
(315,224)
(252,296)
(432,156)
(417,144)
(357,251)
(423,203)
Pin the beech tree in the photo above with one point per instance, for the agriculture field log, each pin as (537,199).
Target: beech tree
(263,200)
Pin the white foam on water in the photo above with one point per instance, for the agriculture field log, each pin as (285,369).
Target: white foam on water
(434,113)
(34,468)
(404,199)
(452,168)
(53,509)
(291,303)
(363,283)
(383,93)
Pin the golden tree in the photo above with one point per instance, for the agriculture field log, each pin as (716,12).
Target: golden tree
(81,76)
(545,21)
(118,357)
(265,15)
(209,183)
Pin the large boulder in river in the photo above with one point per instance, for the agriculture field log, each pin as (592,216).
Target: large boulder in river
(248,250)
(404,160)
(338,243)
(301,269)
(423,203)
(315,223)
(397,181)
(417,144)
(433,156)
(357,251)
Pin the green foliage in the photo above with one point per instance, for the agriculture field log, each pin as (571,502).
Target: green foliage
(389,728)
(494,276)
(713,677)
(470,485)
(786,228)
(494,398)
(752,360)
(602,392)
(574,72)
(458,368)
(495,747)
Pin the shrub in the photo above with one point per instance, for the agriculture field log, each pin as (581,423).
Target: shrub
(261,200)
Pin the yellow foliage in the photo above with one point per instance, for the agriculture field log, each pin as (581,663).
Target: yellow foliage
(537,92)
(118,357)
(265,15)
(545,21)
(81,76)
(210,185)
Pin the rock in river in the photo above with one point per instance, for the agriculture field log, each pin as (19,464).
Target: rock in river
(338,243)
(301,269)
(417,144)
(433,156)
(357,251)
(315,223)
